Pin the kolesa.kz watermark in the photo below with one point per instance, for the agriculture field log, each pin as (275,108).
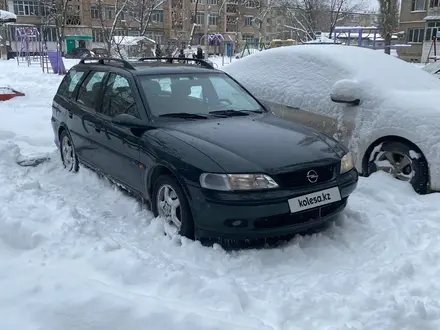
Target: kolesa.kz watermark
(314,200)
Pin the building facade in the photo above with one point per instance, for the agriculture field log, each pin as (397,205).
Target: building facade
(170,21)
(419,23)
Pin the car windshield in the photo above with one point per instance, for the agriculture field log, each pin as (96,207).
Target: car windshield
(201,94)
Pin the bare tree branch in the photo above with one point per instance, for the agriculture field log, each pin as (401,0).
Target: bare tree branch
(388,20)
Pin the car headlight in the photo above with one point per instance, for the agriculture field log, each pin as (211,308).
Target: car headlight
(231,182)
(347,163)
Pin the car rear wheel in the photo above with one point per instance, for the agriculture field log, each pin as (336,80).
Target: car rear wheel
(403,162)
(170,203)
(68,154)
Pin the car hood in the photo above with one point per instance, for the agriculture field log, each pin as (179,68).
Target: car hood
(262,143)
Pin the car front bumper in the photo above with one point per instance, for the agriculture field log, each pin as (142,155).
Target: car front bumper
(262,214)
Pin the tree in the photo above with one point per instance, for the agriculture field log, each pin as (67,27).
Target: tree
(142,13)
(310,16)
(111,19)
(60,13)
(388,20)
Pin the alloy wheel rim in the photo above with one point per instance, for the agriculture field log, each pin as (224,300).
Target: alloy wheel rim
(168,205)
(395,163)
(68,153)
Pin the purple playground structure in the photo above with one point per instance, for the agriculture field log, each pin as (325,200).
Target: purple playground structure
(359,31)
(29,45)
(213,39)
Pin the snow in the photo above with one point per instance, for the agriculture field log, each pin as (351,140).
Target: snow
(414,155)
(7,16)
(77,254)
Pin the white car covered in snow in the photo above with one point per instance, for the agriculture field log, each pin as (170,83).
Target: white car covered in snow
(433,68)
(384,109)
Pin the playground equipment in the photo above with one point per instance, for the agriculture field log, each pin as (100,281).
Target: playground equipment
(225,45)
(360,31)
(29,45)
(32,49)
(7,93)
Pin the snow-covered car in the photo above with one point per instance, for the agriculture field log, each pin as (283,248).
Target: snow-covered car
(385,110)
(433,68)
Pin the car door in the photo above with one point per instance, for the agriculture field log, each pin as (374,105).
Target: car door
(87,101)
(298,90)
(63,105)
(120,145)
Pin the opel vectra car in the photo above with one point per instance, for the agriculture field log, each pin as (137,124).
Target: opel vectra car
(211,159)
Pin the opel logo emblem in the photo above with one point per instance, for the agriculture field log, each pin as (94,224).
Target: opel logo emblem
(312,176)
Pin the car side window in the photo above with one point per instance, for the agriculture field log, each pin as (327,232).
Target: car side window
(70,83)
(89,92)
(119,97)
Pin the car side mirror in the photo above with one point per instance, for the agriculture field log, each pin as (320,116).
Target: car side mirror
(130,121)
(346,91)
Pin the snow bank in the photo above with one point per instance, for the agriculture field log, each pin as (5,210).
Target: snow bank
(6,16)
(78,254)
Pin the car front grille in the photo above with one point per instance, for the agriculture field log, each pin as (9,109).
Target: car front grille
(299,178)
(290,219)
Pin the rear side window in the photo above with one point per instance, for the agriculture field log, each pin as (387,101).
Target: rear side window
(70,83)
(119,97)
(90,90)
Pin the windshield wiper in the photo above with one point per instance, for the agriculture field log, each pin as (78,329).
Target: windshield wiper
(231,112)
(185,115)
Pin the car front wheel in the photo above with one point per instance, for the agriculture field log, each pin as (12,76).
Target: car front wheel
(68,154)
(403,162)
(170,203)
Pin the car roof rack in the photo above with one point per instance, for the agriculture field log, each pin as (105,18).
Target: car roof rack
(101,60)
(171,59)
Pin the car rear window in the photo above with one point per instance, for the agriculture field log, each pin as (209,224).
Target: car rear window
(69,83)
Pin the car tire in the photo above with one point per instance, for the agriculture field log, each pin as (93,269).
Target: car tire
(183,212)
(402,152)
(68,154)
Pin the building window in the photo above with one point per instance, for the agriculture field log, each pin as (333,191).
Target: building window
(157,16)
(156,36)
(212,20)
(49,33)
(212,2)
(415,35)
(97,35)
(133,33)
(200,18)
(417,5)
(109,13)
(251,4)
(431,30)
(434,3)
(28,8)
(94,12)
(248,20)
(249,40)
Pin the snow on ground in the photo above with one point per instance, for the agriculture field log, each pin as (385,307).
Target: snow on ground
(75,253)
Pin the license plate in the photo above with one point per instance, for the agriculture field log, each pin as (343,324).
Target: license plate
(315,199)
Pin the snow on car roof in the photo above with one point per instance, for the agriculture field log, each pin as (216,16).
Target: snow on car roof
(357,63)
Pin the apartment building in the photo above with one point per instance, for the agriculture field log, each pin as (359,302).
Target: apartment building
(243,21)
(419,22)
(84,27)
(173,20)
